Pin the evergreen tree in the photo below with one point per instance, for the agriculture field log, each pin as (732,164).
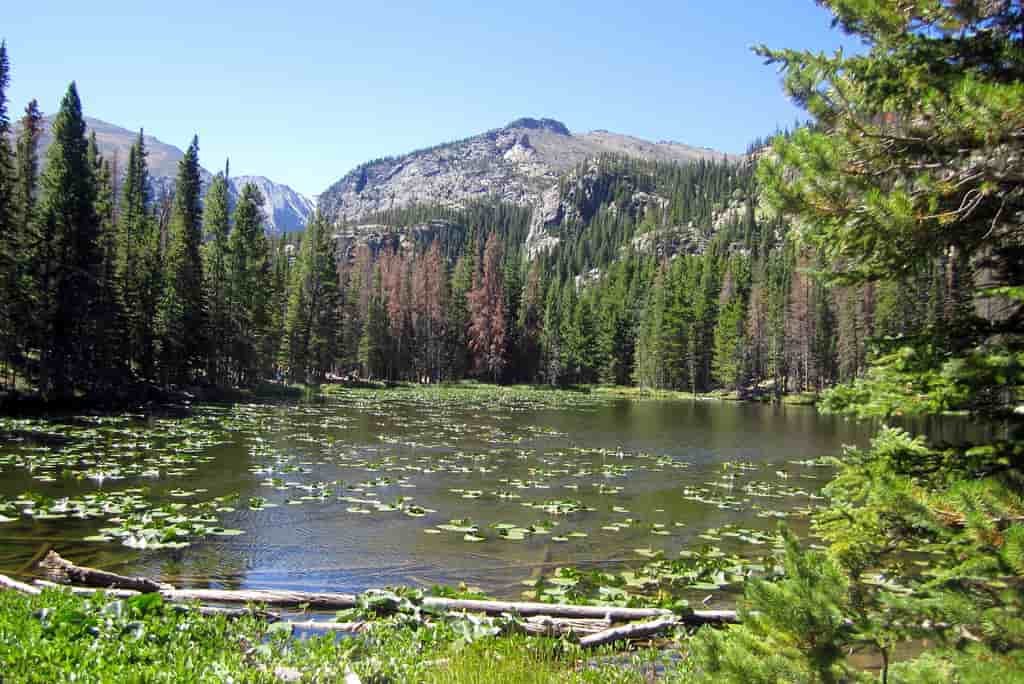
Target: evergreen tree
(216,259)
(180,317)
(458,326)
(372,342)
(139,272)
(106,319)
(69,229)
(312,307)
(11,255)
(247,298)
(915,152)
(22,296)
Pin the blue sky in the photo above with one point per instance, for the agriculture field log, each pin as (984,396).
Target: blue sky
(303,91)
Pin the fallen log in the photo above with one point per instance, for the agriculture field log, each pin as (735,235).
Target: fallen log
(8,583)
(636,630)
(528,609)
(184,607)
(65,572)
(543,625)
(336,601)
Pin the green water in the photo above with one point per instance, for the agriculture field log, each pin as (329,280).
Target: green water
(629,475)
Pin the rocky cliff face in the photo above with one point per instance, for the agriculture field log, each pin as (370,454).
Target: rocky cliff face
(285,209)
(519,163)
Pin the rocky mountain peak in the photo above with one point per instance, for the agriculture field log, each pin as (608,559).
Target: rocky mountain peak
(517,163)
(552,125)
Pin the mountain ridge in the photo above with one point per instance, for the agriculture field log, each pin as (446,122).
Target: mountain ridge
(516,163)
(285,209)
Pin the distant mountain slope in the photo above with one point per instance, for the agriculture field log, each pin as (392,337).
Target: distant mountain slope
(516,163)
(285,209)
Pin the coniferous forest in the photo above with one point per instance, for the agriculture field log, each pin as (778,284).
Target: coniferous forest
(702,288)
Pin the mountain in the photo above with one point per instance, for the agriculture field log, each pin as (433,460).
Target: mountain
(517,163)
(285,209)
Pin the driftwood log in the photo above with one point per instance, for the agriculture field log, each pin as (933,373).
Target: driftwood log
(66,572)
(13,584)
(636,630)
(596,623)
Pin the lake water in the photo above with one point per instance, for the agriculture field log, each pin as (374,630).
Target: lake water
(532,480)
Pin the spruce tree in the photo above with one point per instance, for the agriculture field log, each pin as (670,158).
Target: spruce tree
(180,317)
(915,151)
(216,258)
(24,296)
(10,248)
(107,319)
(139,271)
(247,301)
(69,229)
(312,308)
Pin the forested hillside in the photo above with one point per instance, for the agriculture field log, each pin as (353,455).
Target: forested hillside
(662,275)
(665,275)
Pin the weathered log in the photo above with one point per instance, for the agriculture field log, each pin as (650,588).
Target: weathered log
(636,630)
(184,607)
(336,601)
(542,625)
(66,572)
(528,609)
(8,583)
(87,591)
(279,599)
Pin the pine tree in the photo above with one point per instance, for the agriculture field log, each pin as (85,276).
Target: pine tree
(372,342)
(180,317)
(24,296)
(459,315)
(247,300)
(531,314)
(915,155)
(430,289)
(106,319)
(216,258)
(312,307)
(139,271)
(11,255)
(70,233)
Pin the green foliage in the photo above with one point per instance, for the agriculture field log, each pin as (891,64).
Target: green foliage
(793,630)
(313,307)
(180,316)
(908,179)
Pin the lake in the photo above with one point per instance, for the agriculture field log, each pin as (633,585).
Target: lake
(348,492)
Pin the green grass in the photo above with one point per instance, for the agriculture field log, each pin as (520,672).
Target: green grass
(48,638)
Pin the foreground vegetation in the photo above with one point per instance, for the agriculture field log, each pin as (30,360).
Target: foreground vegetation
(44,638)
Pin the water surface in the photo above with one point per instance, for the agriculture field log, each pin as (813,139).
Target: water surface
(656,474)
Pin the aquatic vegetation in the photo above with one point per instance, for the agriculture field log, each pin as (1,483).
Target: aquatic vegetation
(468,465)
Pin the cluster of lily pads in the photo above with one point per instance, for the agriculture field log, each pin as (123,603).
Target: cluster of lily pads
(130,517)
(661,580)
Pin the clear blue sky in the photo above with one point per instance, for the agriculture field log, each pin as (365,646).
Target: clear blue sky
(303,91)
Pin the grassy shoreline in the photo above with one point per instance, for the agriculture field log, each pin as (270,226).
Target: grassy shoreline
(44,638)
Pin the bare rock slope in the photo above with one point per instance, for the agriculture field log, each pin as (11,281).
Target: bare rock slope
(518,163)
